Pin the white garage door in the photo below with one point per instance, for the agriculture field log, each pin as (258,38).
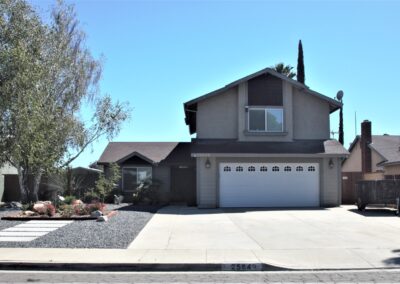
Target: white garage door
(269,185)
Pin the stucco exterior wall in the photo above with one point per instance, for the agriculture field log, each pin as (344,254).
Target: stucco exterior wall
(217,116)
(392,170)
(353,162)
(243,135)
(206,183)
(310,116)
(331,185)
(208,179)
(163,174)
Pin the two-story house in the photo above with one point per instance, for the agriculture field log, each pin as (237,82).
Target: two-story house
(261,141)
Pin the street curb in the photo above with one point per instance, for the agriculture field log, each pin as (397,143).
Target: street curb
(140,266)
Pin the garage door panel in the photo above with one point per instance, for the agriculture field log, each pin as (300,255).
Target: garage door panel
(269,188)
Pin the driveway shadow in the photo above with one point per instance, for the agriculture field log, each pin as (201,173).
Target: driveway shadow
(375,212)
(393,260)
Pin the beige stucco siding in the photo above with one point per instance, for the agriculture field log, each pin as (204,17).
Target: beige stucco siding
(206,183)
(331,185)
(217,116)
(208,179)
(392,170)
(310,116)
(242,116)
(353,162)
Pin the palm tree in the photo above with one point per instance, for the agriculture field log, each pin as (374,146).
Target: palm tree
(284,69)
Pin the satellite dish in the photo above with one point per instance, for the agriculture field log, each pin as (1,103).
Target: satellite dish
(339,95)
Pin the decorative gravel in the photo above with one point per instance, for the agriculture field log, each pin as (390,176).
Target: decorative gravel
(117,233)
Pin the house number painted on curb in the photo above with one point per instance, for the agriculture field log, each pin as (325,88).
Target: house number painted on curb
(242,267)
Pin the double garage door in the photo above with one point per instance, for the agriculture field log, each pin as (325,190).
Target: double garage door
(269,185)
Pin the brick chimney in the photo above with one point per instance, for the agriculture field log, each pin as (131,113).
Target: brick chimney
(366,139)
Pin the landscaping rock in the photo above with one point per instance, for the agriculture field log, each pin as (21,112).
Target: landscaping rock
(96,213)
(15,205)
(41,208)
(28,213)
(102,219)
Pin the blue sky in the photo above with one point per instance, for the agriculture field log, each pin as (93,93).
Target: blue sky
(160,54)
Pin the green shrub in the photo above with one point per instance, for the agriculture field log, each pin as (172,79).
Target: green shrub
(69,199)
(105,185)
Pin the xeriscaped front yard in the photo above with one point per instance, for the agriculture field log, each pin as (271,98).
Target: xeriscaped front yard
(117,233)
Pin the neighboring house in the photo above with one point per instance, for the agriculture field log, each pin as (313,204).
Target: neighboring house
(6,169)
(372,157)
(261,141)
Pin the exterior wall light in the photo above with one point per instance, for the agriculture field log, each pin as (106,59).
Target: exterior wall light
(331,164)
(208,164)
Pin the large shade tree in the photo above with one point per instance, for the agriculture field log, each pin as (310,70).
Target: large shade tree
(46,75)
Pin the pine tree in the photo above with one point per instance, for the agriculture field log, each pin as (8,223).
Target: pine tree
(300,65)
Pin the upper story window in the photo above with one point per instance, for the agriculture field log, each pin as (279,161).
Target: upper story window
(265,119)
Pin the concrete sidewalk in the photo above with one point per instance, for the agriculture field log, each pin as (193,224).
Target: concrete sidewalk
(205,259)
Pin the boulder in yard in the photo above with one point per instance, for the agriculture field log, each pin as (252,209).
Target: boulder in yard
(102,219)
(28,213)
(96,213)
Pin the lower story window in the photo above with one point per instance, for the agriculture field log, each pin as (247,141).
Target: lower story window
(133,176)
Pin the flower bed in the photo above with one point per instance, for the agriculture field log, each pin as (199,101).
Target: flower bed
(73,210)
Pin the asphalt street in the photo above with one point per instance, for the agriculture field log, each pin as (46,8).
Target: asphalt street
(343,276)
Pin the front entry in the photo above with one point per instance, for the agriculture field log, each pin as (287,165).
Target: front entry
(183,185)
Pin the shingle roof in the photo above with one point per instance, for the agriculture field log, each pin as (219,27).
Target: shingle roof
(388,147)
(331,147)
(154,152)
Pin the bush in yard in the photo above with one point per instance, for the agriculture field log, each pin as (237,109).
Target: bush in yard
(147,192)
(91,197)
(95,206)
(67,211)
(69,199)
(108,182)
(51,210)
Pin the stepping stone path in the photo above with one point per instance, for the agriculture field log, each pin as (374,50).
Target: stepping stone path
(30,230)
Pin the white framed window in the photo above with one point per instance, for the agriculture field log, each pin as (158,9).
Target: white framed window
(251,169)
(239,169)
(133,176)
(299,169)
(265,119)
(263,169)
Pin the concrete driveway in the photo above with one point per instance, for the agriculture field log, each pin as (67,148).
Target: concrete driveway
(304,239)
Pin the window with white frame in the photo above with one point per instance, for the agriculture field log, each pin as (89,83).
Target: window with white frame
(133,176)
(265,119)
